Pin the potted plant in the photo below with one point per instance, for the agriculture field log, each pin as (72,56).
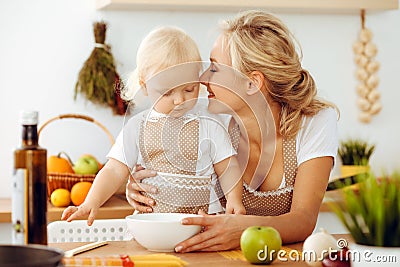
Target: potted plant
(355,152)
(355,155)
(372,216)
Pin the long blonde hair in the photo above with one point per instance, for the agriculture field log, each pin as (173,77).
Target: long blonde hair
(258,41)
(162,48)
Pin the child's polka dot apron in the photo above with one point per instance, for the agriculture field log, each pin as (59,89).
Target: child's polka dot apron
(170,146)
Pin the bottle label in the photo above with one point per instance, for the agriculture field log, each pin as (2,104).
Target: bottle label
(20,207)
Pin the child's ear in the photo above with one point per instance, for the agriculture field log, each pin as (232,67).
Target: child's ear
(143,87)
(256,82)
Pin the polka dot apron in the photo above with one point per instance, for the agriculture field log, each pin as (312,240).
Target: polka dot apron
(279,201)
(273,202)
(170,146)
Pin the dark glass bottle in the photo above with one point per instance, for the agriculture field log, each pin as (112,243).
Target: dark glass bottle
(29,197)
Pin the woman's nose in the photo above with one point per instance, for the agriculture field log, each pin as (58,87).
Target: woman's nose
(204,77)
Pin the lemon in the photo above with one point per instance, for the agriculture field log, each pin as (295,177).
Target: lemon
(60,197)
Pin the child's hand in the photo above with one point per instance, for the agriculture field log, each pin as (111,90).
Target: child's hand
(73,212)
(235,208)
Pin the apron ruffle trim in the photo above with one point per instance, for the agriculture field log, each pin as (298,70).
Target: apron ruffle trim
(277,192)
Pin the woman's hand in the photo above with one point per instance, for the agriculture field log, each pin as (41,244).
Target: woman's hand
(221,232)
(134,187)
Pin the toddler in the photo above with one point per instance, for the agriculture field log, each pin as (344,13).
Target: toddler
(187,147)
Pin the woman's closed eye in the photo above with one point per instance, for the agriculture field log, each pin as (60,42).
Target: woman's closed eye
(212,67)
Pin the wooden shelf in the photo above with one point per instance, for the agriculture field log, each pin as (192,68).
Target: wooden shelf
(236,5)
(115,208)
(5,210)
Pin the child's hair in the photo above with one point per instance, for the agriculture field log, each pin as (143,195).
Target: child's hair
(162,48)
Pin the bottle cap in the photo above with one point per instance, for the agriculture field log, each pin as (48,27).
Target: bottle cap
(29,117)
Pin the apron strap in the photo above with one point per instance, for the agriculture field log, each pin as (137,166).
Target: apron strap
(289,160)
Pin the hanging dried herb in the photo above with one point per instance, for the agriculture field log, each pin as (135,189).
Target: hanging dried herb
(98,79)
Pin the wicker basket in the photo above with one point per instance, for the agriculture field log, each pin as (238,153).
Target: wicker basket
(67,180)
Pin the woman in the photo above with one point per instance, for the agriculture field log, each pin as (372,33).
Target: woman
(288,138)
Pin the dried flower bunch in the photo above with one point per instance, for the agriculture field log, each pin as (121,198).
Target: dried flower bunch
(98,79)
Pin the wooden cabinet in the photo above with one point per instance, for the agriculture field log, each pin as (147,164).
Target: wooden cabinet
(236,5)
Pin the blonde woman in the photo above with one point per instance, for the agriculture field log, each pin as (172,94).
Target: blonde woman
(288,140)
(187,147)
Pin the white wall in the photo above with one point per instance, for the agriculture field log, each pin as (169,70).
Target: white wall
(45,42)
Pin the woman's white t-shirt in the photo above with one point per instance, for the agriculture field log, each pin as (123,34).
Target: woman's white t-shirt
(318,137)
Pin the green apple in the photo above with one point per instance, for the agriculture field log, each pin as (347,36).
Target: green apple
(86,165)
(260,244)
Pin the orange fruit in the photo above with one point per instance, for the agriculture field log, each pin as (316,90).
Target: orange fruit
(60,197)
(59,164)
(79,192)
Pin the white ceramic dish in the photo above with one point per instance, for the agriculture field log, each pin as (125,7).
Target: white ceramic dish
(160,232)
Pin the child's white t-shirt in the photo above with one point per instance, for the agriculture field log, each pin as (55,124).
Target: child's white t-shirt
(214,144)
(214,141)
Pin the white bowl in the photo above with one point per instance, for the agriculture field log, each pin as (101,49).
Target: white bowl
(160,232)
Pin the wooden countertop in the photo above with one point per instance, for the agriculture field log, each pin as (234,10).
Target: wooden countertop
(215,259)
(200,259)
(116,207)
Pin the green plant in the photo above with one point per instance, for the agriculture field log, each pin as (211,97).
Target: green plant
(372,213)
(355,152)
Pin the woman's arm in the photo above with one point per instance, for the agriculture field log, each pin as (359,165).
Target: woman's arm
(222,232)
